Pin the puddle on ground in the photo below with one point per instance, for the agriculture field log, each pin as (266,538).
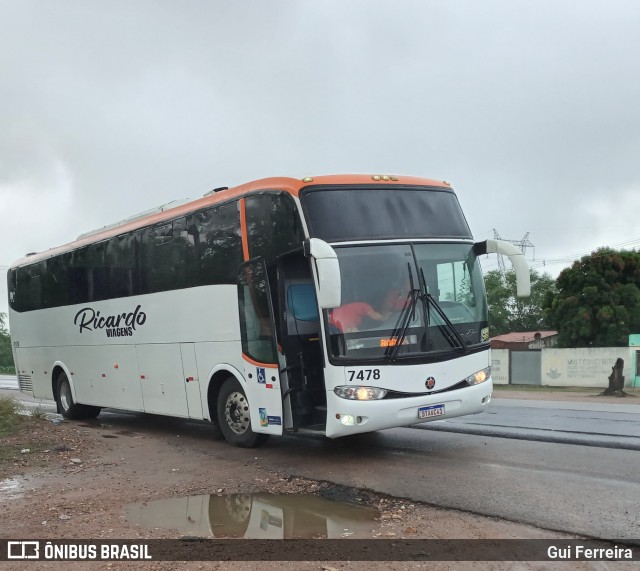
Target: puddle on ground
(11,488)
(256,516)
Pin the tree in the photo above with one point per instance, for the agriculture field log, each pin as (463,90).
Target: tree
(6,356)
(507,311)
(597,300)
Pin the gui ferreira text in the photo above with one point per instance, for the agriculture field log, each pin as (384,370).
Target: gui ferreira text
(577,552)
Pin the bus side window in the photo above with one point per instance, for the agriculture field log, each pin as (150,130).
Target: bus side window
(183,252)
(120,259)
(273,225)
(219,244)
(155,258)
(14,297)
(99,273)
(78,275)
(163,274)
(56,283)
(31,286)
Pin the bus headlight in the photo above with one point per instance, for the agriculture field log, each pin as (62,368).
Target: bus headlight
(479,377)
(359,393)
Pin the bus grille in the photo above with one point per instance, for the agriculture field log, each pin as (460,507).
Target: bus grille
(25,383)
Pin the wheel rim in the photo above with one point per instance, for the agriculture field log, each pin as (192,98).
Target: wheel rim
(236,412)
(65,395)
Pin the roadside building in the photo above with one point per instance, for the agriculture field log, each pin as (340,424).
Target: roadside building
(525,340)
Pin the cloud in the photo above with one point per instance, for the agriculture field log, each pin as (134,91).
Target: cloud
(529,108)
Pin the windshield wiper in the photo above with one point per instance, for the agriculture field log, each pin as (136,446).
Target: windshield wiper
(400,330)
(453,332)
(406,315)
(430,301)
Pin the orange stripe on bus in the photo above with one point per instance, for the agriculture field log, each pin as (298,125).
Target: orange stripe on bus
(243,230)
(258,363)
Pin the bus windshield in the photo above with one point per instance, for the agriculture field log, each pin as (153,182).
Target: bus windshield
(389,293)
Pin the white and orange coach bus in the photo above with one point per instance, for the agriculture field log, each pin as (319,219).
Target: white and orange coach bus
(333,304)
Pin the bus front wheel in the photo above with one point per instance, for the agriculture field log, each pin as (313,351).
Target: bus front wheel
(66,405)
(234,416)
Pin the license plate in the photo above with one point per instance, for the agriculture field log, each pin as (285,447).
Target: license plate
(434,410)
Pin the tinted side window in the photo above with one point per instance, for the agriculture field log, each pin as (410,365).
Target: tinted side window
(165,274)
(201,249)
(218,244)
(273,225)
(120,259)
(98,272)
(12,288)
(184,250)
(147,260)
(78,275)
(56,284)
(30,284)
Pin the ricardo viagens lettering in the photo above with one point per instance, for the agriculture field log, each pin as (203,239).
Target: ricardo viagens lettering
(118,325)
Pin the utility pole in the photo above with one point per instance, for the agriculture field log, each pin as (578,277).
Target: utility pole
(523,244)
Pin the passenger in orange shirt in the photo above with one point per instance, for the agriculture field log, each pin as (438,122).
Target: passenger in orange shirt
(347,318)
(394,301)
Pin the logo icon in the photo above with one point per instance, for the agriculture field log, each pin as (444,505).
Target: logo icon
(23,550)
(264,421)
(431,382)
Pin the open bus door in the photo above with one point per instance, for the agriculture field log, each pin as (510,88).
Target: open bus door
(303,388)
(261,362)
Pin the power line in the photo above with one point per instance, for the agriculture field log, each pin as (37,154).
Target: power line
(574,257)
(567,259)
(523,244)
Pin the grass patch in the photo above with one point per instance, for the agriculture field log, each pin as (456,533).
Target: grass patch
(7,371)
(546,389)
(10,417)
(39,413)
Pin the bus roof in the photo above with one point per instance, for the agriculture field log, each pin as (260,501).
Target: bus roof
(286,184)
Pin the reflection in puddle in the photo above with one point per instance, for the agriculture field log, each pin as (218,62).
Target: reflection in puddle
(11,488)
(255,516)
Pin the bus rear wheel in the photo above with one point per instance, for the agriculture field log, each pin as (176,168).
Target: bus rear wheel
(66,405)
(234,417)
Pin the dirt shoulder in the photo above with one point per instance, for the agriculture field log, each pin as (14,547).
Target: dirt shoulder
(568,394)
(77,480)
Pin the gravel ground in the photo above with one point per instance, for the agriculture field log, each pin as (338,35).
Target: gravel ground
(76,480)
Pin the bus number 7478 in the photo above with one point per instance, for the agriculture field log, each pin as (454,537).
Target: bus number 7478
(364,375)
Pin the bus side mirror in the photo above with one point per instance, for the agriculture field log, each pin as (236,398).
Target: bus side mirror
(328,269)
(516,257)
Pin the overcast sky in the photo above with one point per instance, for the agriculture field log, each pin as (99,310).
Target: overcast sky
(530,108)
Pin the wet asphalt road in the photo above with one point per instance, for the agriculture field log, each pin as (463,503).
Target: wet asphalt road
(572,467)
(8,382)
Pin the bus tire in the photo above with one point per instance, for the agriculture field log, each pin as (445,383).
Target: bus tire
(66,405)
(234,418)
